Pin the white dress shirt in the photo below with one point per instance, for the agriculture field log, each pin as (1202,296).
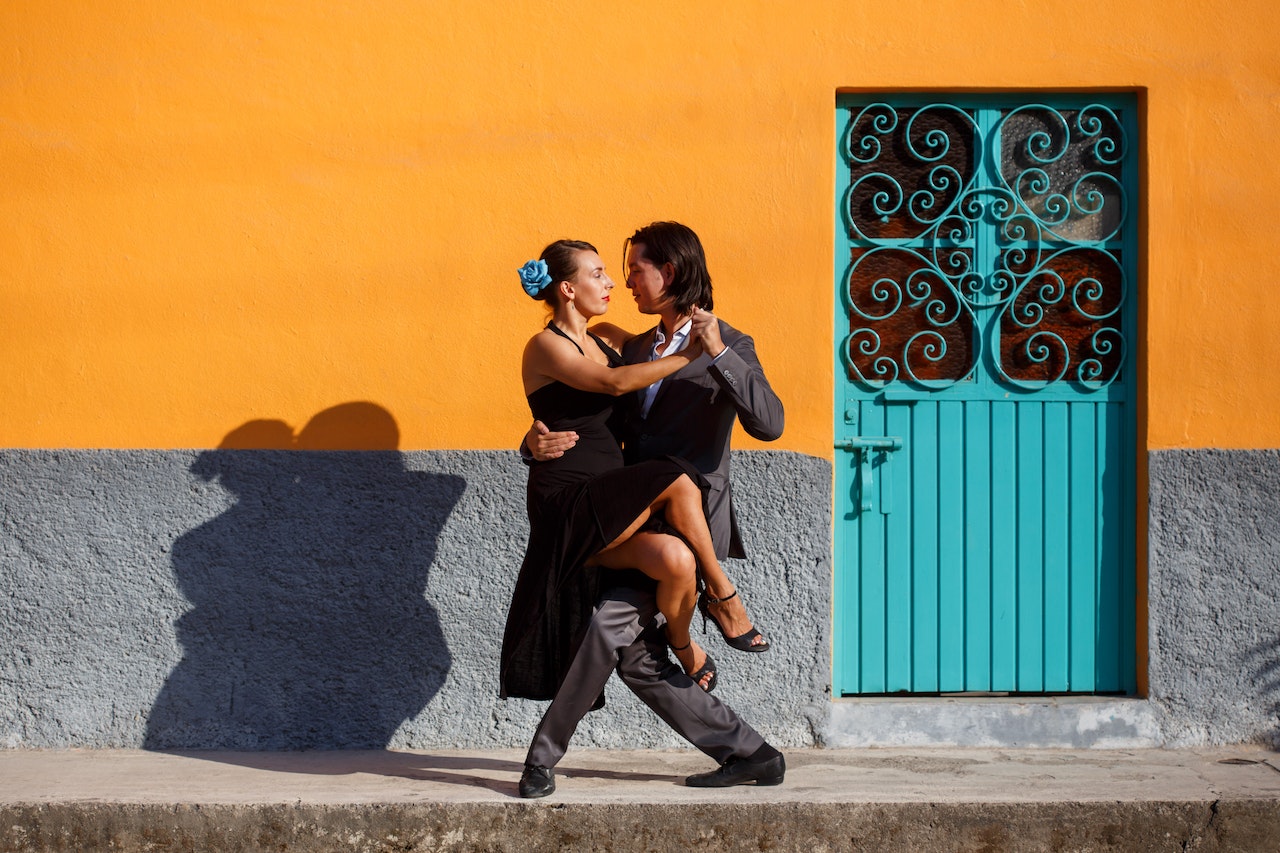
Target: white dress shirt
(679,340)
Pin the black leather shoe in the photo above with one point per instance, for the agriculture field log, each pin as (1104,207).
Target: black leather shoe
(537,781)
(740,771)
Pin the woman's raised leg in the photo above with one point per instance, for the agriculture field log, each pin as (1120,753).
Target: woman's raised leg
(668,561)
(681,505)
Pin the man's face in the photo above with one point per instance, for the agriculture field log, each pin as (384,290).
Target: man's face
(647,283)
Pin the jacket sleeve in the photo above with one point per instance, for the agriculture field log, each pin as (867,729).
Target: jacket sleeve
(739,373)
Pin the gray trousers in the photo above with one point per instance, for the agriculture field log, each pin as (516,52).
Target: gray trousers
(626,632)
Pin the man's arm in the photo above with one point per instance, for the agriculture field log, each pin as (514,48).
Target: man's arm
(737,370)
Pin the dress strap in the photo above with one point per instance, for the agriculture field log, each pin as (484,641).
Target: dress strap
(609,352)
(553,327)
(613,358)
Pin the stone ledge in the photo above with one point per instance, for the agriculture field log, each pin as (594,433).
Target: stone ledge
(1068,722)
(879,827)
(832,799)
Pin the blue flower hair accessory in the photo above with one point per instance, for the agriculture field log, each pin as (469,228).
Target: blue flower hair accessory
(534,277)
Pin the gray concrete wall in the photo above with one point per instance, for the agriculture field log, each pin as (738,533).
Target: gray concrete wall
(284,600)
(272,599)
(1214,547)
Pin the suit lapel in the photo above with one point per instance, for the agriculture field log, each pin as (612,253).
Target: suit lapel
(694,369)
(638,348)
(643,349)
(637,351)
(666,383)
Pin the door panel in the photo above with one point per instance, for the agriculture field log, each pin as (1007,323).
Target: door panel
(985,477)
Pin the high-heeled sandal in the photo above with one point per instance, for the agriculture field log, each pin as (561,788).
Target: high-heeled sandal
(708,666)
(742,642)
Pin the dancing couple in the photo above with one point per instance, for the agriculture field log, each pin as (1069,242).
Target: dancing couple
(610,577)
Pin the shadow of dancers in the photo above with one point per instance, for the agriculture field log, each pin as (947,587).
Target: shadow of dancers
(309,626)
(1264,658)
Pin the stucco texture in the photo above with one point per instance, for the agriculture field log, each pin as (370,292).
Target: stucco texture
(227,208)
(272,599)
(1214,542)
(295,599)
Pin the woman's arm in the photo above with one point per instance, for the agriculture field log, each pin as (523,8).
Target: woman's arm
(549,358)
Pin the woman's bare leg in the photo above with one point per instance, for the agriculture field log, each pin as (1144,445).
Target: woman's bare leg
(668,561)
(681,504)
(684,512)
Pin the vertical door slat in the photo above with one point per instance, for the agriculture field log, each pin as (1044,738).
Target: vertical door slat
(1004,544)
(891,480)
(977,550)
(1030,548)
(872,592)
(951,626)
(1057,516)
(923,453)
(1085,483)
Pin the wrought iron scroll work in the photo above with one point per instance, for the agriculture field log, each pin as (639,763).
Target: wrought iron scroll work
(1043,188)
(1059,262)
(909,317)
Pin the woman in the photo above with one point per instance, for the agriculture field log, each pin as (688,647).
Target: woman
(584,507)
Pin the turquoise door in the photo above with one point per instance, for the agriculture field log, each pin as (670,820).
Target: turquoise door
(985,428)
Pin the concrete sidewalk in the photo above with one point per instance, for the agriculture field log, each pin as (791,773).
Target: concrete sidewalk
(872,799)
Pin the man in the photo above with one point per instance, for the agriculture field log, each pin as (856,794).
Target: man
(690,414)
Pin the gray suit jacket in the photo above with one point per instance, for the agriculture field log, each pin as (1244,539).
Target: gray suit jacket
(693,415)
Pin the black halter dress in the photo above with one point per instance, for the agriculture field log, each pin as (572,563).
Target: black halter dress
(577,505)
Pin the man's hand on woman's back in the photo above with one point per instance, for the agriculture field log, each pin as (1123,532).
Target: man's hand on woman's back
(544,444)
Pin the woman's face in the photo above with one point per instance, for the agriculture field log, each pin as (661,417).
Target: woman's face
(591,285)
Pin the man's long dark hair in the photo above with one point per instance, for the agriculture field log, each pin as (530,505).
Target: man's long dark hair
(676,244)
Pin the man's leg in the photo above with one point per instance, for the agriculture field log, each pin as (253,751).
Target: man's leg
(697,716)
(700,718)
(614,626)
(627,631)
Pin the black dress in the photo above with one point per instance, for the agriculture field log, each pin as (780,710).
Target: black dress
(577,505)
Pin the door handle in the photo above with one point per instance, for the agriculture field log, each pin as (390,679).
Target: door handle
(863,446)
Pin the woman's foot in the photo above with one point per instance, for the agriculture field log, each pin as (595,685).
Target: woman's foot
(697,664)
(730,616)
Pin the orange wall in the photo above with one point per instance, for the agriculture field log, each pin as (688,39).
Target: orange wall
(221,211)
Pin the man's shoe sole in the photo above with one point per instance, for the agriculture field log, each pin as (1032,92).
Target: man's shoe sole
(767,780)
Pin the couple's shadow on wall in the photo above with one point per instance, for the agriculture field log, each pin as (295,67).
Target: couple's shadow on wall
(309,626)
